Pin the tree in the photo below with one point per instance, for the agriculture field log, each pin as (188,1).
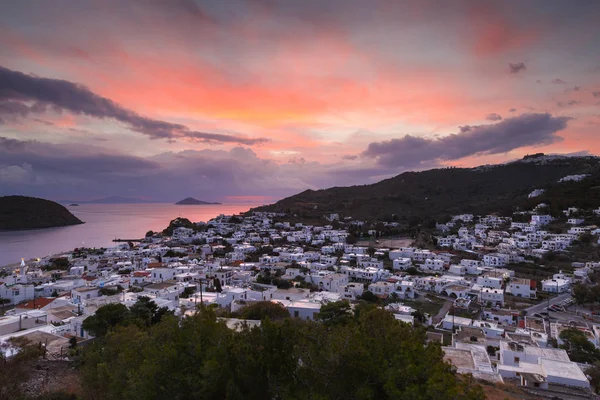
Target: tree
(147,312)
(54,293)
(336,313)
(264,309)
(579,348)
(372,356)
(217,285)
(580,294)
(149,234)
(187,292)
(351,239)
(368,296)
(594,374)
(105,318)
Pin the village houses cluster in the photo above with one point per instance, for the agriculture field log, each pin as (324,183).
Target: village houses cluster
(231,262)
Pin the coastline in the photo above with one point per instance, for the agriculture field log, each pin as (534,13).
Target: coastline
(103,224)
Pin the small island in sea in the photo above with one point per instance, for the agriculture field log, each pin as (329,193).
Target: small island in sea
(74,205)
(191,201)
(21,212)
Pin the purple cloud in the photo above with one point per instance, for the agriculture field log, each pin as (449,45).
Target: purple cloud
(568,103)
(22,94)
(516,67)
(510,134)
(493,117)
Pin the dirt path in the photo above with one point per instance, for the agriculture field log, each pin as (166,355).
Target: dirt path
(443,311)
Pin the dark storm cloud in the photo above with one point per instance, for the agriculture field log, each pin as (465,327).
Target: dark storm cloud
(76,161)
(558,81)
(502,137)
(493,117)
(516,67)
(22,94)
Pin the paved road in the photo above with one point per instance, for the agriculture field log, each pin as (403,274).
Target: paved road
(541,306)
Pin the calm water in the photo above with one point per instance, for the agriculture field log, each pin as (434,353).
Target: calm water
(103,223)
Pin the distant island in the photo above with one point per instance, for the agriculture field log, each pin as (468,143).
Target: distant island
(107,200)
(74,205)
(20,213)
(190,201)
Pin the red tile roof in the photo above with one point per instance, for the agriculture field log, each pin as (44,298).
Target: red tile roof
(38,303)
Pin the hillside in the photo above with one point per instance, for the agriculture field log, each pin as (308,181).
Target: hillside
(19,212)
(191,201)
(441,192)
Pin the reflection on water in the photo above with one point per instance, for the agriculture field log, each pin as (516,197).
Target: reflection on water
(103,223)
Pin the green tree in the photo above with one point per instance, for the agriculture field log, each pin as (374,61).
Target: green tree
(147,312)
(264,309)
(580,294)
(217,285)
(336,313)
(370,356)
(594,373)
(368,296)
(579,348)
(105,318)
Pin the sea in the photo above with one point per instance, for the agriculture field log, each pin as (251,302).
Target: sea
(103,223)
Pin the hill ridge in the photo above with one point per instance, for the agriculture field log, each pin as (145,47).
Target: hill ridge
(21,213)
(444,191)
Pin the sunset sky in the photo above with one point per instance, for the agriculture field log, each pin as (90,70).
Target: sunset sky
(256,100)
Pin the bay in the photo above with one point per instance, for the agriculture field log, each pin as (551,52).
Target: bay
(103,223)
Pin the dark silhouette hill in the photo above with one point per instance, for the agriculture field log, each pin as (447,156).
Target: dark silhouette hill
(192,201)
(20,212)
(448,191)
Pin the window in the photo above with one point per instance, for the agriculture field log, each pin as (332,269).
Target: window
(15,293)
(296,314)
(517,359)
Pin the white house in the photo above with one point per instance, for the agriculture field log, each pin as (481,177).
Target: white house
(555,285)
(80,295)
(521,287)
(490,281)
(433,264)
(537,367)
(401,263)
(304,309)
(493,296)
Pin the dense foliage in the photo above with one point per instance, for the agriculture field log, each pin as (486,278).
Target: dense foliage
(362,355)
(144,312)
(579,348)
